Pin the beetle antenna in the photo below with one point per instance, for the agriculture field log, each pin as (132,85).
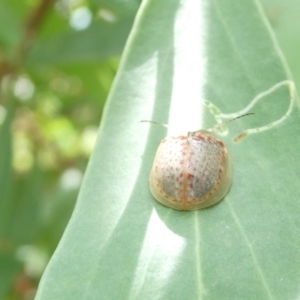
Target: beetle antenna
(229,121)
(158,123)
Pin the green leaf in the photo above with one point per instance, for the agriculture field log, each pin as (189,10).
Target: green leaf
(6,181)
(122,244)
(119,8)
(26,204)
(57,209)
(9,29)
(99,41)
(9,268)
(286,23)
(8,265)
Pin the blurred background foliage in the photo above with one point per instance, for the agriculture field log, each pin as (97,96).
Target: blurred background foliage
(57,63)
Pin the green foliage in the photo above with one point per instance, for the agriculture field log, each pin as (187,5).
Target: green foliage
(120,243)
(284,19)
(54,82)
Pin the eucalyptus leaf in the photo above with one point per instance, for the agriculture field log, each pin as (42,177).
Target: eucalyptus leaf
(122,244)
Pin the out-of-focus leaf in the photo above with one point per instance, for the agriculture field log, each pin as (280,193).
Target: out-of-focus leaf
(5,172)
(27,199)
(284,18)
(8,265)
(8,270)
(9,28)
(19,8)
(99,41)
(119,8)
(56,212)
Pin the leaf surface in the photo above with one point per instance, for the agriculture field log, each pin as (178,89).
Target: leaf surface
(120,243)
